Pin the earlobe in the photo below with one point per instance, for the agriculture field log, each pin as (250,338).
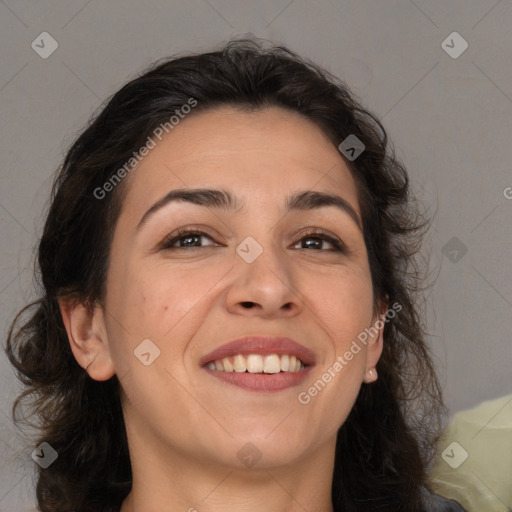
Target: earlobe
(375,346)
(87,338)
(370,376)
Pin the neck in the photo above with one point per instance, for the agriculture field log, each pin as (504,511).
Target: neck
(198,486)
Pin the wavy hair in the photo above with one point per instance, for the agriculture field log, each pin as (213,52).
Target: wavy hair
(384,446)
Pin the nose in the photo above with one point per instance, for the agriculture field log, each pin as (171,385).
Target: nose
(266,287)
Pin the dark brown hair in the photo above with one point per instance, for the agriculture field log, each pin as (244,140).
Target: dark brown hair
(385,444)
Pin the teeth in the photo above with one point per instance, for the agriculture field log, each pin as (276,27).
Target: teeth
(272,364)
(227,366)
(256,363)
(239,364)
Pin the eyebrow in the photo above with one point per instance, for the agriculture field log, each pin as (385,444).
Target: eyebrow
(224,200)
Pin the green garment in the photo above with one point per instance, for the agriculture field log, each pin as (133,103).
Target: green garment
(474,464)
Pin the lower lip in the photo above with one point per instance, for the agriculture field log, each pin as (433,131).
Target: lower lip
(262,382)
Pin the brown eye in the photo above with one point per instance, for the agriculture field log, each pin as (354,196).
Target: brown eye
(189,236)
(320,237)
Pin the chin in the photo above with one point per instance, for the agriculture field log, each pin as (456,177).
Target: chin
(264,450)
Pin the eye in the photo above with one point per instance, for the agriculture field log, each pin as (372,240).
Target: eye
(320,237)
(189,236)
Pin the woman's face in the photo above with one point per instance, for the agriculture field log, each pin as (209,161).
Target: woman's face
(258,268)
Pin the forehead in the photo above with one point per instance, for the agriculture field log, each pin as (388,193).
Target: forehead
(262,154)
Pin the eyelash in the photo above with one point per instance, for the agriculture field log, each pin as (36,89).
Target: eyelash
(184,232)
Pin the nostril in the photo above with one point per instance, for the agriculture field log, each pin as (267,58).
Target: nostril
(247,304)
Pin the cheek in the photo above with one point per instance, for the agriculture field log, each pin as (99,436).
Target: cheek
(163,304)
(345,307)
(149,304)
(344,303)
(150,301)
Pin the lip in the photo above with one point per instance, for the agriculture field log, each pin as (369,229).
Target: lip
(263,345)
(262,383)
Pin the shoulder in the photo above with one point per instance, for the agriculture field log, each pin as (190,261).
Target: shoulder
(436,503)
(480,450)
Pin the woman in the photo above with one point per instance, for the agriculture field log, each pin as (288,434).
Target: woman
(228,318)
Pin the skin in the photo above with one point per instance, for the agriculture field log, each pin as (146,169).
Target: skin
(184,426)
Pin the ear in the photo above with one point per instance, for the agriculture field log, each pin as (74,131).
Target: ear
(375,342)
(87,337)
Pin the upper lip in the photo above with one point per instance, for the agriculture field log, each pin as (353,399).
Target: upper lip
(263,345)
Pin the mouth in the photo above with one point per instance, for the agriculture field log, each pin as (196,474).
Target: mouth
(260,363)
(257,363)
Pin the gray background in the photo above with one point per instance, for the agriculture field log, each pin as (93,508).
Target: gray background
(449,119)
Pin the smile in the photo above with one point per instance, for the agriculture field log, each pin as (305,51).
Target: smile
(260,363)
(256,363)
